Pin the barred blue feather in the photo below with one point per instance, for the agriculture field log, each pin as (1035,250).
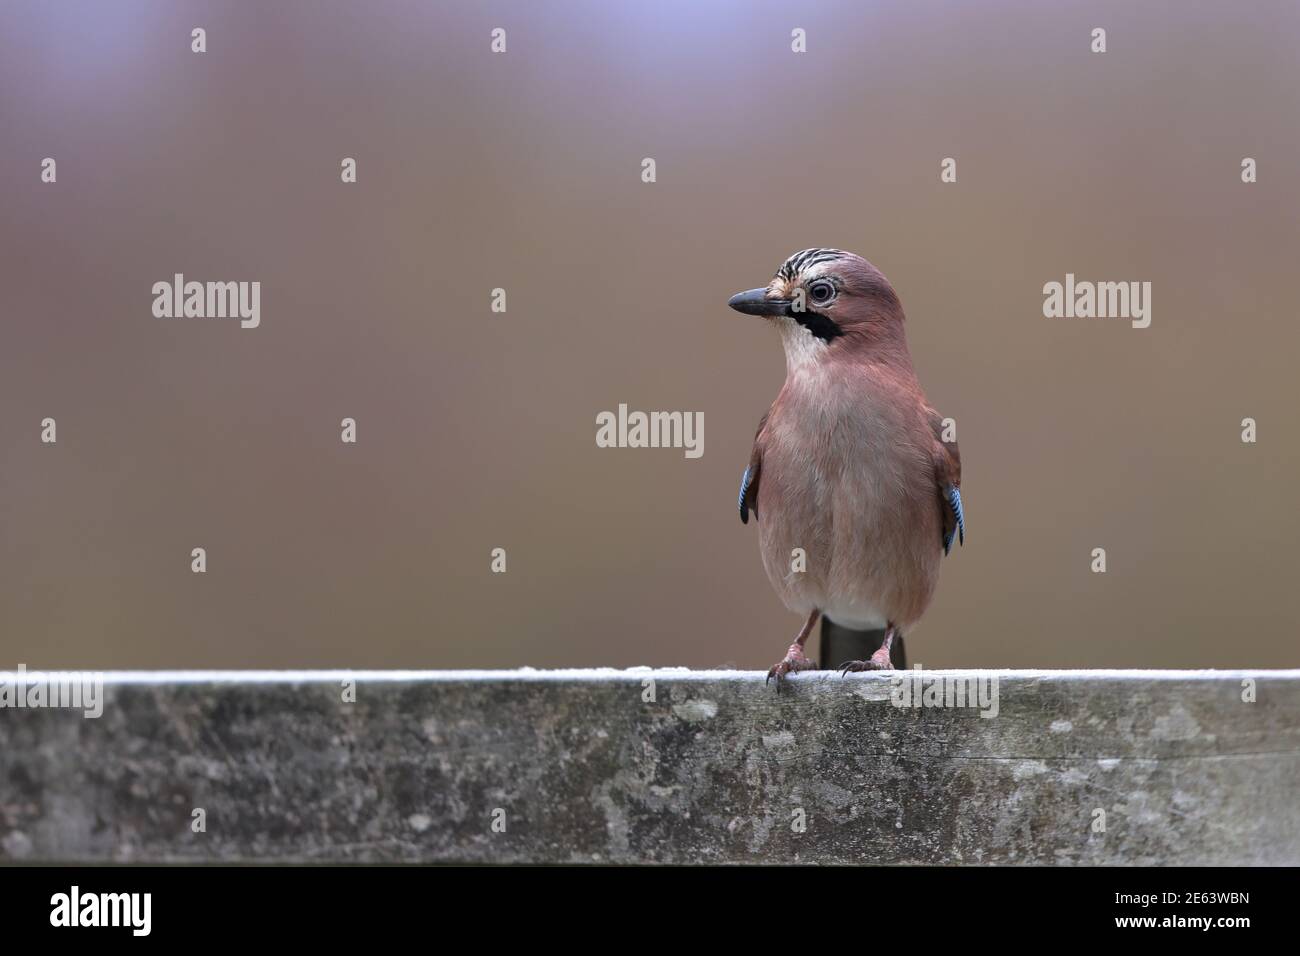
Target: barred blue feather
(953,494)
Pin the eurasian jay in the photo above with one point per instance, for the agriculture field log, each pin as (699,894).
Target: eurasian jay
(850,463)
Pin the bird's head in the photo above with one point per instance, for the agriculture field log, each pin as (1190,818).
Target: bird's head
(826,302)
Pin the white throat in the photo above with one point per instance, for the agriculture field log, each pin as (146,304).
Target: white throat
(803,350)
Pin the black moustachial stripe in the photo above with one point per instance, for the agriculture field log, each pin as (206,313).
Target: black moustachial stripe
(819,324)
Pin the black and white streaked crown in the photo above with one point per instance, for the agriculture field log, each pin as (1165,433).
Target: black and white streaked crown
(792,267)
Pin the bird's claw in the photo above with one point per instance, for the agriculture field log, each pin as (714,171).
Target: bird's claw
(877,662)
(793,662)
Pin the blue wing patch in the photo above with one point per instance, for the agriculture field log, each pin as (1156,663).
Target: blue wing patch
(953,494)
(744,508)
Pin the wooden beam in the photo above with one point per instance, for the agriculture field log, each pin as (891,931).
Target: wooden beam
(662,766)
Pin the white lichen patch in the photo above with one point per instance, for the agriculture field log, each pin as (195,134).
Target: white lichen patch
(1061,727)
(16,845)
(1141,808)
(1024,769)
(836,796)
(695,711)
(762,830)
(872,690)
(1178,724)
(429,726)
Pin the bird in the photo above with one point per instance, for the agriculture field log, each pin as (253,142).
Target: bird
(850,468)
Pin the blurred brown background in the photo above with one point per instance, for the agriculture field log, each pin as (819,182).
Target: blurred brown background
(522,171)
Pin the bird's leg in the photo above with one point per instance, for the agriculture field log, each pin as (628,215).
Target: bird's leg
(879,661)
(795,659)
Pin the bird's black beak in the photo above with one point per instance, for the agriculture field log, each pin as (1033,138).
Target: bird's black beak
(756,302)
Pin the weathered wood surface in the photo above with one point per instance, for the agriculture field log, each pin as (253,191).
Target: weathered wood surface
(716,768)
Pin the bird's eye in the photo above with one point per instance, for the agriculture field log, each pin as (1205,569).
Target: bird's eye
(821,291)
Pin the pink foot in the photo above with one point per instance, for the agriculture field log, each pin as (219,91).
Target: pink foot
(794,660)
(879,662)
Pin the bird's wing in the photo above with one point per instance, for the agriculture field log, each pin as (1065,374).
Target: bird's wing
(749,481)
(947,479)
